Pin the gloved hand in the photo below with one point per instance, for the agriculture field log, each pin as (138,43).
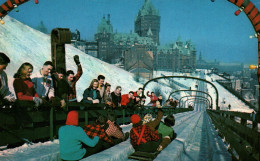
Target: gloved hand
(95,101)
(37,101)
(10,98)
(76,59)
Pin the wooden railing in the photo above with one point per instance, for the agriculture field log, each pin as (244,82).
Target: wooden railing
(241,131)
(47,122)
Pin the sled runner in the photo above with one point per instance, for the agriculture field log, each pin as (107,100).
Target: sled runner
(143,155)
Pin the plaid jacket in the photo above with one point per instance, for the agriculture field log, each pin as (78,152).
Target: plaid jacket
(72,91)
(114,130)
(93,130)
(148,135)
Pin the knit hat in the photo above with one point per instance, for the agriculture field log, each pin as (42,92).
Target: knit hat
(72,118)
(135,118)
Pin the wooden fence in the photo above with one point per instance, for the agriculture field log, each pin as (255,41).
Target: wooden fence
(241,131)
(47,122)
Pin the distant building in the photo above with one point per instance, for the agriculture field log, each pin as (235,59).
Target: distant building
(177,57)
(41,27)
(236,84)
(88,47)
(91,48)
(139,61)
(114,47)
(203,64)
(75,36)
(147,23)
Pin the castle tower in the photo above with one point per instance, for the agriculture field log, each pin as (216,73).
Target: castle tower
(104,37)
(148,22)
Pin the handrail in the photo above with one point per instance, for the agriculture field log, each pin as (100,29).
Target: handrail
(243,138)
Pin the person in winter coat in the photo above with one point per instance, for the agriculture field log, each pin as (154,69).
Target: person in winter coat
(27,98)
(114,130)
(126,98)
(61,86)
(98,129)
(116,97)
(153,98)
(139,92)
(5,94)
(43,82)
(72,139)
(23,85)
(101,86)
(160,99)
(143,138)
(73,79)
(168,134)
(165,129)
(135,103)
(91,94)
(107,99)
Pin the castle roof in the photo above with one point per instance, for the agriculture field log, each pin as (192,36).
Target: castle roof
(182,49)
(104,26)
(148,9)
(132,38)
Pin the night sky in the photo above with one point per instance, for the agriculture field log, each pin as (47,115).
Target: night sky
(212,26)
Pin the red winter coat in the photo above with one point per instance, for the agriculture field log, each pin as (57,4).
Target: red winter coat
(125,99)
(24,89)
(153,99)
(148,135)
(72,91)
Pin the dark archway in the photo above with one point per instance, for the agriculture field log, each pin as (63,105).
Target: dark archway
(192,91)
(193,100)
(216,90)
(192,96)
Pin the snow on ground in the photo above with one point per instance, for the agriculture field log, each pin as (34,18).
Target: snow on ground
(190,83)
(225,97)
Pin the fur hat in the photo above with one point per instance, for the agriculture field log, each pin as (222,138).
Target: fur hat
(135,118)
(169,120)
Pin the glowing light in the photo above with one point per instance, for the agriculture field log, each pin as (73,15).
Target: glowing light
(252,66)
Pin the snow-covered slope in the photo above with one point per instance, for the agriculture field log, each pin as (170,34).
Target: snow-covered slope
(24,44)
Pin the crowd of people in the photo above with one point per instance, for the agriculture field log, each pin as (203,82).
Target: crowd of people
(147,134)
(50,86)
(56,87)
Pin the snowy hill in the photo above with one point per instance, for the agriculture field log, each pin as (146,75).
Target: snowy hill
(24,44)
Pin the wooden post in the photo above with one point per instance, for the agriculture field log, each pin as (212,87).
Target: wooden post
(243,121)
(86,117)
(51,123)
(59,37)
(231,117)
(255,125)
(123,116)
